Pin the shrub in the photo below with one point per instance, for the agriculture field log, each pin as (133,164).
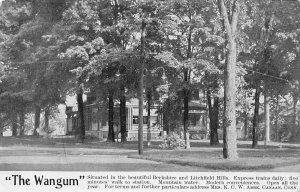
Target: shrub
(172,141)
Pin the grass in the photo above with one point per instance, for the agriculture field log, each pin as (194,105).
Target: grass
(211,158)
(200,155)
(221,164)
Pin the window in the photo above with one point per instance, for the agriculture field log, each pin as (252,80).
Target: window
(145,120)
(135,120)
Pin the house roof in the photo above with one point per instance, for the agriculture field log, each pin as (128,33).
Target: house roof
(193,105)
(196,105)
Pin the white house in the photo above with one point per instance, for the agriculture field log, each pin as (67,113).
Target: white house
(96,120)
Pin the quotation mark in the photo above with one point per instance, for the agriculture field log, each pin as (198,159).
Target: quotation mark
(7,178)
(81,177)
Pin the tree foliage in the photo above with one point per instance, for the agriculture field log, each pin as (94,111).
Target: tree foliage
(228,49)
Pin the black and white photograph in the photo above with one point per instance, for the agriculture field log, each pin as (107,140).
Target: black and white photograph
(150,95)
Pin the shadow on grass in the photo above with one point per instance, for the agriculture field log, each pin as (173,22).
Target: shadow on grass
(244,145)
(201,154)
(206,156)
(242,164)
(85,167)
(38,141)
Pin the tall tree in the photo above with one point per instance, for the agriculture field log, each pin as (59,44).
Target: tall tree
(213,118)
(230,17)
(255,118)
(123,113)
(111,133)
(37,120)
(81,128)
(185,28)
(26,23)
(141,88)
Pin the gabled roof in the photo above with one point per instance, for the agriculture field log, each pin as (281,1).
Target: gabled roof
(196,105)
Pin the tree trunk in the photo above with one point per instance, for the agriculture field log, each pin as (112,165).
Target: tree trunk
(276,119)
(81,131)
(148,118)
(267,117)
(229,131)
(14,119)
(186,93)
(186,112)
(37,117)
(123,113)
(294,129)
(22,122)
(215,136)
(207,121)
(111,133)
(214,120)
(245,124)
(47,115)
(141,88)
(166,116)
(1,125)
(255,118)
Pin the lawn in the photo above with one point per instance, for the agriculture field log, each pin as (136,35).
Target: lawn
(201,153)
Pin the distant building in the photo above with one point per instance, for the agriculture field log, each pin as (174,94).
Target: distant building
(96,119)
